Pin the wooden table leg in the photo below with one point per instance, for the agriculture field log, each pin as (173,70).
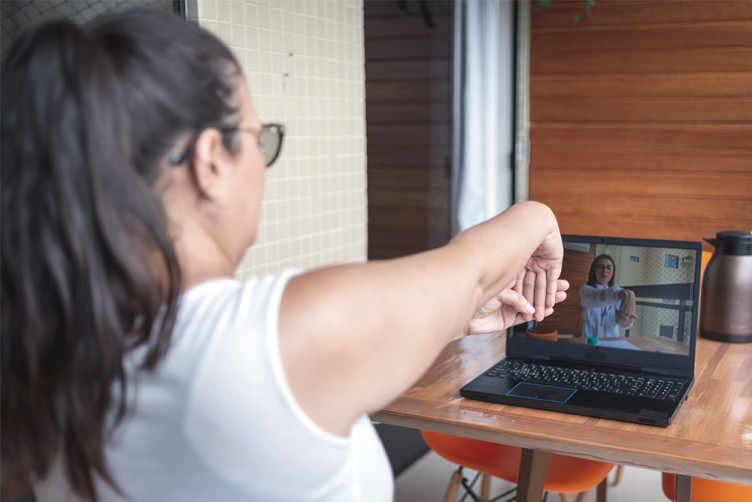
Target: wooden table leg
(600,493)
(683,488)
(533,465)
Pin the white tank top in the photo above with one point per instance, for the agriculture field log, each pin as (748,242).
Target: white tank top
(217,421)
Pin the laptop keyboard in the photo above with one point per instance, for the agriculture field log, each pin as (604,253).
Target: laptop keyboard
(593,380)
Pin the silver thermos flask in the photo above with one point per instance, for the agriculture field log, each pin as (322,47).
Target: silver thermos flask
(726,301)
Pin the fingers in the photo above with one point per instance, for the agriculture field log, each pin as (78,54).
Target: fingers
(560,297)
(540,298)
(508,307)
(534,289)
(552,286)
(540,292)
(562,285)
(534,294)
(518,281)
(488,308)
(517,301)
(528,286)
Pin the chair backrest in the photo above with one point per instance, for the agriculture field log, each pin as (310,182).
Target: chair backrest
(709,490)
(580,324)
(564,474)
(706,255)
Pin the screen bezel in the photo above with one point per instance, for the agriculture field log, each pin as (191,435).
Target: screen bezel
(653,362)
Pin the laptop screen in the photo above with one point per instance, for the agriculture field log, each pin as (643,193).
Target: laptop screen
(631,302)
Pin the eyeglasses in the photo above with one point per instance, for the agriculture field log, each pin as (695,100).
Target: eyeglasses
(608,268)
(269,142)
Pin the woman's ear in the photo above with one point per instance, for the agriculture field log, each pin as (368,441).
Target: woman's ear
(209,163)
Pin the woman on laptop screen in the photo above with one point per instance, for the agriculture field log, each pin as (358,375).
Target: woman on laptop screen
(606,307)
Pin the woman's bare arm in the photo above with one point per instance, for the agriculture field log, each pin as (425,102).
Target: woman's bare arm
(354,337)
(627,312)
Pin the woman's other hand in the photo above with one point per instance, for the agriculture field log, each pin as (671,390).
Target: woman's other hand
(509,308)
(627,312)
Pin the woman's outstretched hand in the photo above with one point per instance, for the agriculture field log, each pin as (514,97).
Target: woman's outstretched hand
(531,295)
(539,281)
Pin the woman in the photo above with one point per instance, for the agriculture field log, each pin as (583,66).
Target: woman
(606,307)
(134,367)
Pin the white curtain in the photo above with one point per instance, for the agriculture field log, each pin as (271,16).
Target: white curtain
(483,109)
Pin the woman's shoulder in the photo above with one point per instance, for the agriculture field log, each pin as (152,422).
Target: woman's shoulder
(227,305)
(227,289)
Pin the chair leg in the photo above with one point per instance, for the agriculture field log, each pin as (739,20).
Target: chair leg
(454,484)
(565,497)
(581,496)
(485,488)
(618,475)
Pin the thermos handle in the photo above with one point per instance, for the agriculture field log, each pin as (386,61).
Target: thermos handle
(713,242)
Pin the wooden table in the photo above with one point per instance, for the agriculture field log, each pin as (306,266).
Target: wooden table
(710,437)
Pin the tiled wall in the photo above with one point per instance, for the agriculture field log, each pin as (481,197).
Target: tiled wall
(304,64)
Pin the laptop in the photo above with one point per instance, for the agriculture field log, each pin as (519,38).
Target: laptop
(595,360)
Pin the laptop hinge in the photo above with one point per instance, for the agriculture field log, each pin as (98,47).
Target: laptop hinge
(595,364)
(663,371)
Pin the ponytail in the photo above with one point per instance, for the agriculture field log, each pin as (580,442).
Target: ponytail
(88,268)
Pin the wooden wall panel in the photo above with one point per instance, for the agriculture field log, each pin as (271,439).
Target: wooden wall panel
(641,117)
(408,120)
(645,36)
(630,61)
(636,158)
(643,12)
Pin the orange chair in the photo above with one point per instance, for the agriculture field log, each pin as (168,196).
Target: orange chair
(706,256)
(709,490)
(564,475)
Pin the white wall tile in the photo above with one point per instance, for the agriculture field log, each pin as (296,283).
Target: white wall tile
(304,63)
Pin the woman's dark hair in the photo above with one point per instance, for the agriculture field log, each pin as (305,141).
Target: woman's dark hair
(89,272)
(591,281)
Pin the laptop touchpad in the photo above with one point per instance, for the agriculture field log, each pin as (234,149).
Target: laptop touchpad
(542,392)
